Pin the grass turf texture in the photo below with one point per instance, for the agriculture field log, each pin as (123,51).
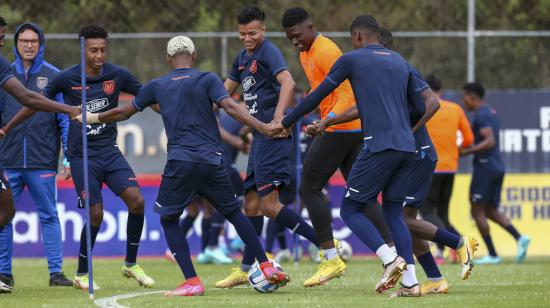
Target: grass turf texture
(505,285)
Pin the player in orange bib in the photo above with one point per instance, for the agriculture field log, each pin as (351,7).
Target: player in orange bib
(443,128)
(336,149)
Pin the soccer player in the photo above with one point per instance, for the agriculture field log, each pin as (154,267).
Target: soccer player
(419,183)
(105,82)
(30,153)
(32,100)
(443,128)
(194,164)
(268,89)
(422,170)
(488,173)
(336,149)
(380,81)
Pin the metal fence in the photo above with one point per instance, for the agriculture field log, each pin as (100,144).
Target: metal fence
(499,59)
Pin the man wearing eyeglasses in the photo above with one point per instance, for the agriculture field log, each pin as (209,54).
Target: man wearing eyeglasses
(30,153)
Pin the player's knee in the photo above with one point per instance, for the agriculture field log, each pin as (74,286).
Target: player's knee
(96,212)
(137,205)
(269,209)
(252,209)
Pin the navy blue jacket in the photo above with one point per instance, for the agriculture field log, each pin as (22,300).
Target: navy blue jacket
(35,143)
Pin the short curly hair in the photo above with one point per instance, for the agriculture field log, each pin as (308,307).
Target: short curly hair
(93,31)
(294,16)
(249,14)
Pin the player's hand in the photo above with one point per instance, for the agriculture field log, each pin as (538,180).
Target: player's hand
(2,133)
(91,118)
(284,133)
(271,129)
(65,173)
(75,112)
(242,146)
(316,129)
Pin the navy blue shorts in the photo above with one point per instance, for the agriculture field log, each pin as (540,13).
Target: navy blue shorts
(182,181)
(486,186)
(288,194)
(111,169)
(386,171)
(420,180)
(4,183)
(268,166)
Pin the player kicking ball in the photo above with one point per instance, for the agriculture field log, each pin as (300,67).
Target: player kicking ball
(107,165)
(194,164)
(268,88)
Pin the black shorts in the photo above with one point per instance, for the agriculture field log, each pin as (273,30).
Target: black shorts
(182,181)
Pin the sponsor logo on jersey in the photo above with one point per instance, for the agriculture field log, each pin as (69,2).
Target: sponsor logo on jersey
(248,82)
(95,129)
(41,82)
(109,87)
(97,104)
(253,67)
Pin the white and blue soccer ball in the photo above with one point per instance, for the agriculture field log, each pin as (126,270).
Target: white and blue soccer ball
(258,281)
(345,250)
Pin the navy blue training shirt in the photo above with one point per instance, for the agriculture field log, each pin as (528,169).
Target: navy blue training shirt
(5,71)
(257,73)
(102,94)
(186,96)
(417,85)
(486,116)
(379,78)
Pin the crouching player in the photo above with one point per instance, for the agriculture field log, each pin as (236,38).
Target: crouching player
(194,163)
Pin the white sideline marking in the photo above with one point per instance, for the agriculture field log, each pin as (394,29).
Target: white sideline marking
(111,302)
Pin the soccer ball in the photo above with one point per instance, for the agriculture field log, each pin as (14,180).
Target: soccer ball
(345,251)
(258,281)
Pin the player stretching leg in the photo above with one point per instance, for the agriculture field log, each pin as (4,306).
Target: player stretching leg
(379,78)
(488,174)
(194,164)
(268,88)
(106,163)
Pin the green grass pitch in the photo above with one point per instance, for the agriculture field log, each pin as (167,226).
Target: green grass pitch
(505,285)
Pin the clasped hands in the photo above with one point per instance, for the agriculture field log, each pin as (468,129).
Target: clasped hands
(276,130)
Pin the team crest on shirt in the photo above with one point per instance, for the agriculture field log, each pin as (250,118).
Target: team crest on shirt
(41,82)
(109,87)
(253,67)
